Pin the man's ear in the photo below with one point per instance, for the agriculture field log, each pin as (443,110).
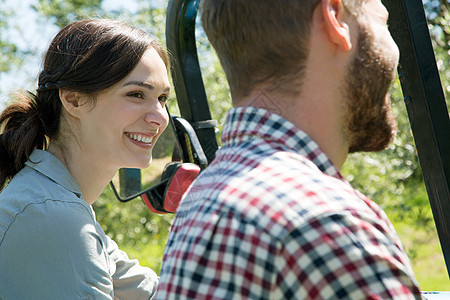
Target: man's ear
(73,102)
(335,24)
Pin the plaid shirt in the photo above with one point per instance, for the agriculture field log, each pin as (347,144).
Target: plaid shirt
(272,218)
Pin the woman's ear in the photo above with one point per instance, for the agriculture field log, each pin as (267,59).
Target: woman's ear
(335,23)
(73,102)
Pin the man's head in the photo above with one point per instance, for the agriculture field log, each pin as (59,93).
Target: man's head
(262,41)
(311,50)
(259,40)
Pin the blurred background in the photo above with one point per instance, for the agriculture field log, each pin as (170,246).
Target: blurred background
(392,178)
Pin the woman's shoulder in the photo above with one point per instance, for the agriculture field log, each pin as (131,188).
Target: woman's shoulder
(50,239)
(33,200)
(30,187)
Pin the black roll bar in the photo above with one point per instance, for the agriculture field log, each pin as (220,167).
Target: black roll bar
(427,110)
(186,73)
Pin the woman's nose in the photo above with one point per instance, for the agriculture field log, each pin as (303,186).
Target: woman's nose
(157,115)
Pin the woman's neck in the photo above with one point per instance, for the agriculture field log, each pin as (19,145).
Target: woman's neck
(90,175)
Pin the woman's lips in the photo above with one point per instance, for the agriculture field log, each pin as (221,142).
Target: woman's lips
(143,140)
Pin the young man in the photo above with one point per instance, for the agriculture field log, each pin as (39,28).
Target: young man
(272,217)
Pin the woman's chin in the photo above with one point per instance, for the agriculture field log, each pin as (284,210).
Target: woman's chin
(146,164)
(142,164)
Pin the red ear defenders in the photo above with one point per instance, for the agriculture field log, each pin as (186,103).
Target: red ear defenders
(175,180)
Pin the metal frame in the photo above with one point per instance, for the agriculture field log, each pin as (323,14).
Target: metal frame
(427,110)
(186,74)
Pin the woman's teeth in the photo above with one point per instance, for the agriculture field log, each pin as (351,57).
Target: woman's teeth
(140,138)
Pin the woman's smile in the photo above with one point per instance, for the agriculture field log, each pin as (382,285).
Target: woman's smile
(143,140)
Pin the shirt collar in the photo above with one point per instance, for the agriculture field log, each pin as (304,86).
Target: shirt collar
(244,122)
(47,164)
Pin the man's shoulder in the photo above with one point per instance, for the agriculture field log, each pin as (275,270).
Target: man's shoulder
(280,175)
(283,187)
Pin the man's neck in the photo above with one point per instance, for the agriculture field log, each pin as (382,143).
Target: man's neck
(315,115)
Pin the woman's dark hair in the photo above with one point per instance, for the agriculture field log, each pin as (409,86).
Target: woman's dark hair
(86,56)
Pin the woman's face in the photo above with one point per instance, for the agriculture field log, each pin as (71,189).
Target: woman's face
(127,119)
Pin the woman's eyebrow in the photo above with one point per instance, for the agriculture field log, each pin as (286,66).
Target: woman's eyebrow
(141,84)
(144,85)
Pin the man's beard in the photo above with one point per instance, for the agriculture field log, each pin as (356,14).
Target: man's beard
(370,123)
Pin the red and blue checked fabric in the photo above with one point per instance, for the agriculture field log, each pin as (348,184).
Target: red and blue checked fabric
(272,218)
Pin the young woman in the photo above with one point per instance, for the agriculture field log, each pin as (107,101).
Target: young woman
(99,106)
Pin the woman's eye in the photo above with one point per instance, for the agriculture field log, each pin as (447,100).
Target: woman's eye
(163,98)
(136,95)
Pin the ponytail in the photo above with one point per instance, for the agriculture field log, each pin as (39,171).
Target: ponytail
(22,132)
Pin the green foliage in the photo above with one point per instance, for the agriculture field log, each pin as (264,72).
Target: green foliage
(426,256)
(9,53)
(216,84)
(8,57)
(438,14)
(64,12)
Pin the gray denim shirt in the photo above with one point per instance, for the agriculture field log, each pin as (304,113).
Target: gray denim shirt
(51,246)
